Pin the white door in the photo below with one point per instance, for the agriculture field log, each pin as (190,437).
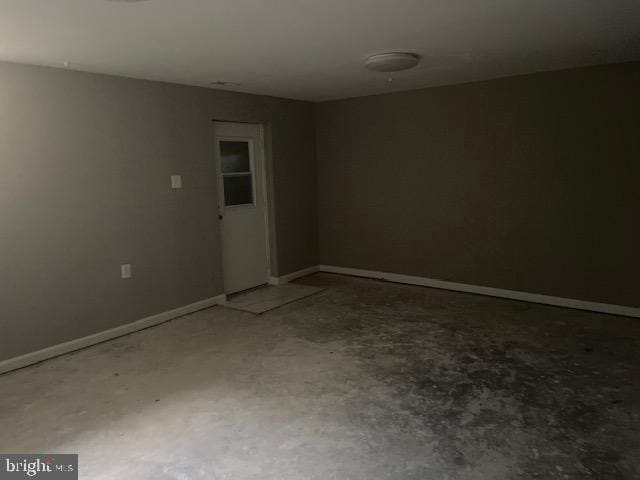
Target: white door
(242,206)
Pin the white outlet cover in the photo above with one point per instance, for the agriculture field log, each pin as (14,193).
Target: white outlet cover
(125,270)
(176,181)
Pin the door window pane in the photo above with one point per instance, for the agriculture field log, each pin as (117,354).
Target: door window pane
(234,156)
(238,190)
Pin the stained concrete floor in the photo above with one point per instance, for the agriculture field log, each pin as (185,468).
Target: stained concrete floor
(364,380)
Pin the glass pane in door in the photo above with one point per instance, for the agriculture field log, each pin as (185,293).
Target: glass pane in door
(238,190)
(234,156)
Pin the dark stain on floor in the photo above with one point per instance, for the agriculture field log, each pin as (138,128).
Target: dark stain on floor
(541,392)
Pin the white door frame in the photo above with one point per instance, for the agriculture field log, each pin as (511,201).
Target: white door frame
(263,180)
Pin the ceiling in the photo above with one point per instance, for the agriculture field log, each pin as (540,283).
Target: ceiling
(314,49)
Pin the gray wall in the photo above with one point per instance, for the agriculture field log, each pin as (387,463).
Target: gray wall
(527,183)
(84,187)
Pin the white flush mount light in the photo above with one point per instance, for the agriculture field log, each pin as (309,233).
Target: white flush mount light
(392,61)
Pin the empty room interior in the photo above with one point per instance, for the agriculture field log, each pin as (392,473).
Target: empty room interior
(342,240)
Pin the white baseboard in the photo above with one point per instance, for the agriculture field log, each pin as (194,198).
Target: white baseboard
(70,346)
(292,276)
(490,291)
(62,348)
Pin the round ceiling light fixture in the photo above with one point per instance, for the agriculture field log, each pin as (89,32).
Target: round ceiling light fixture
(392,61)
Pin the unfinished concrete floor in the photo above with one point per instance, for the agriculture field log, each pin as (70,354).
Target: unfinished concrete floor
(364,380)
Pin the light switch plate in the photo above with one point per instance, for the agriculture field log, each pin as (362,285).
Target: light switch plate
(176,181)
(125,270)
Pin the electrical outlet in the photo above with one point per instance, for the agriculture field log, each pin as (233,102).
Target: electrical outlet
(125,270)
(176,181)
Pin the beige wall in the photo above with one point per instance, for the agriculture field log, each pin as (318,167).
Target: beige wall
(527,183)
(85,186)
